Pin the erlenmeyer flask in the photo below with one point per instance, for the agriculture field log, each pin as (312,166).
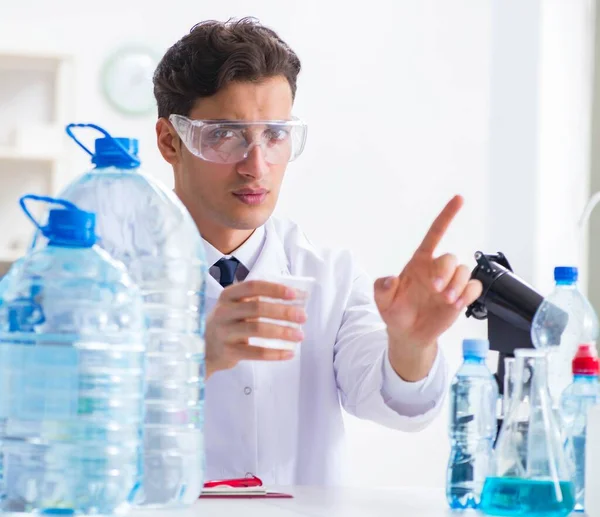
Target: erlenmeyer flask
(509,385)
(530,475)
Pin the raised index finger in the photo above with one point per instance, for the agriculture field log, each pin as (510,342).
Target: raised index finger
(254,288)
(440,225)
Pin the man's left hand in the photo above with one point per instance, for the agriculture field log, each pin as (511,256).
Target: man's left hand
(423,301)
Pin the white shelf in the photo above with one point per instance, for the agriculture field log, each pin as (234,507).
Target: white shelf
(36,103)
(8,154)
(31,61)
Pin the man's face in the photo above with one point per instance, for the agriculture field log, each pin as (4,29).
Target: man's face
(241,195)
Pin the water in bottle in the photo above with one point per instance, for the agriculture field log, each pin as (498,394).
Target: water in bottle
(143,224)
(472,427)
(549,332)
(72,345)
(576,401)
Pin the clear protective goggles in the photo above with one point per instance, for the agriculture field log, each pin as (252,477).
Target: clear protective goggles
(230,141)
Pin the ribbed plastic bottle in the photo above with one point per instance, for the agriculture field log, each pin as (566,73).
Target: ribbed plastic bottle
(72,357)
(576,401)
(143,224)
(472,426)
(562,341)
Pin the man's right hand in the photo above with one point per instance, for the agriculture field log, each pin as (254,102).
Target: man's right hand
(235,319)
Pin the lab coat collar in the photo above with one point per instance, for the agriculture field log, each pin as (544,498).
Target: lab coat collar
(271,261)
(247,253)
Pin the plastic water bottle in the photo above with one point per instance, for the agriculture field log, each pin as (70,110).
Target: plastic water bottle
(72,345)
(563,341)
(143,224)
(473,426)
(576,401)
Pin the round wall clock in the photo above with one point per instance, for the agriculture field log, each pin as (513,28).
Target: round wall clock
(127,80)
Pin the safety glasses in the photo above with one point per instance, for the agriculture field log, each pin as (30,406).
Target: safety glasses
(230,141)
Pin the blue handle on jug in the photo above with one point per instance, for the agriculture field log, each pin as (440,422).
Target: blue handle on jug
(69,130)
(54,201)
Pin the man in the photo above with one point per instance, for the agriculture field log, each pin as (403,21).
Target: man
(225,96)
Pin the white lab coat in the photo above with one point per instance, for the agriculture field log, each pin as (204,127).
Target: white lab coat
(283,421)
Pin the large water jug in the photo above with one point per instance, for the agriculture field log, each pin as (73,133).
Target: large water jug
(72,347)
(143,224)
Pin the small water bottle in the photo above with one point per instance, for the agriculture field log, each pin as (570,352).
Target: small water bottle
(562,335)
(72,347)
(143,224)
(576,401)
(472,426)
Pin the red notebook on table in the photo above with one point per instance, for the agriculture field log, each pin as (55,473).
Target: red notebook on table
(244,488)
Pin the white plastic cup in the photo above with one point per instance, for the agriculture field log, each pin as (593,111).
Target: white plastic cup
(303,286)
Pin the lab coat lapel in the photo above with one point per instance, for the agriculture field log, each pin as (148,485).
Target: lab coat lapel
(272,259)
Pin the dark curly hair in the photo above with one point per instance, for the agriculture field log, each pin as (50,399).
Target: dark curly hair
(215,54)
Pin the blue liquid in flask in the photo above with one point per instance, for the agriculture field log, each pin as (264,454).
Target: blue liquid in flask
(517,497)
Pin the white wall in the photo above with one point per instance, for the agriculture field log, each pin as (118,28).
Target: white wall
(514,129)
(397,97)
(540,99)
(563,175)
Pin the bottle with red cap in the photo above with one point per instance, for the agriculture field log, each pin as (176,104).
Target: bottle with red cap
(576,401)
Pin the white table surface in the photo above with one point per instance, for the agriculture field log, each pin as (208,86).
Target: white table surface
(323,502)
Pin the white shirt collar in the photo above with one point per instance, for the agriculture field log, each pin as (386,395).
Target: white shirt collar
(247,253)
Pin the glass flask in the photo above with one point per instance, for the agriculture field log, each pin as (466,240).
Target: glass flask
(531,475)
(509,384)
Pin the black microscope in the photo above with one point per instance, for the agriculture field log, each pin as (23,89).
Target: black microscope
(509,305)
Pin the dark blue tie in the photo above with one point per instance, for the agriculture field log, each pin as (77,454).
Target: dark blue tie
(228,268)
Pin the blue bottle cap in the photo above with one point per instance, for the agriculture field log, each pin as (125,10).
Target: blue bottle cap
(109,154)
(475,348)
(566,274)
(71,228)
